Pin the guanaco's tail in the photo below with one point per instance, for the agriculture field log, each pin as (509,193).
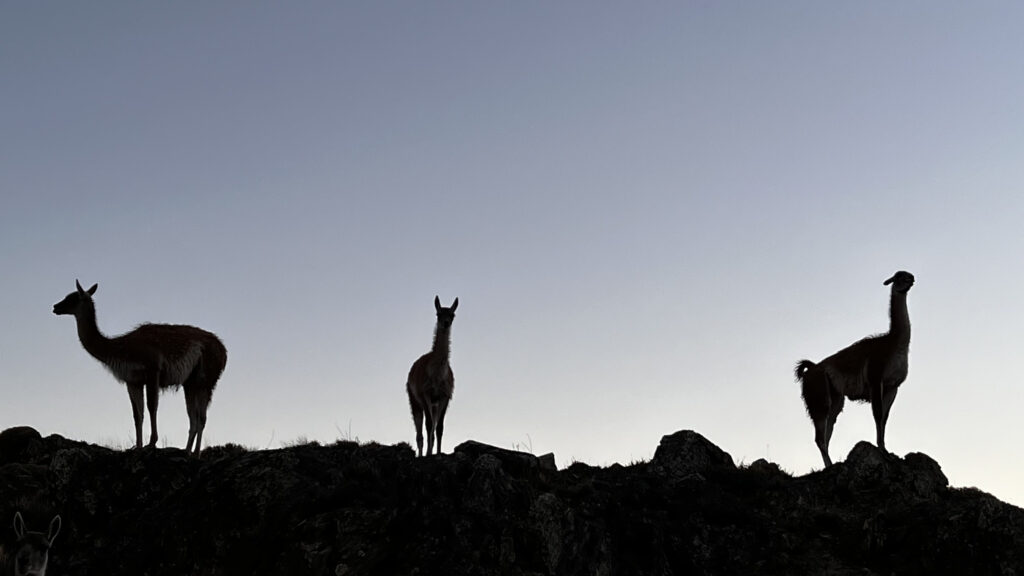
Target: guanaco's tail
(814,387)
(802,367)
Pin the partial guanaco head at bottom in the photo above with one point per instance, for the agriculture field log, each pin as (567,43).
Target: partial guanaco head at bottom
(901,281)
(32,552)
(445,316)
(74,302)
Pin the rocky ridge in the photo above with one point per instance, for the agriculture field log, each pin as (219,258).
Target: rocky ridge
(351,509)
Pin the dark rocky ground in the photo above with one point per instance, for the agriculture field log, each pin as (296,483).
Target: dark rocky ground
(349,509)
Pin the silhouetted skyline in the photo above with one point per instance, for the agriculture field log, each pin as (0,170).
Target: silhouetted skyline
(649,212)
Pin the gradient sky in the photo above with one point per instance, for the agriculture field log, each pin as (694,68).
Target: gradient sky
(649,212)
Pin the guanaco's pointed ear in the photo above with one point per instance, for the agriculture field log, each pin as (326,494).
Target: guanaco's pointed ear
(455,304)
(437,303)
(19,526)
(54,528)
(90,291)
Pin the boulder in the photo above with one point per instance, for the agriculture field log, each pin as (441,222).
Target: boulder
(514,462)
(687,452)
(915,478)
(17,442)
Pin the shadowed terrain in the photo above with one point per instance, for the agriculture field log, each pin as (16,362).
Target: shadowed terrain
(349,509)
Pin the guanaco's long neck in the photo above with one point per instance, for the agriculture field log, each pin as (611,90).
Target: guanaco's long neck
(442,344)
(94,342)
(899,318)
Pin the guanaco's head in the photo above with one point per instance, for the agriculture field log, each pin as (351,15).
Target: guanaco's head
(901,281)
(445,316)
(76,301)
(32,550)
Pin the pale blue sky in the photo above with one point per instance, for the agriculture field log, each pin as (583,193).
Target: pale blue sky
(649,213)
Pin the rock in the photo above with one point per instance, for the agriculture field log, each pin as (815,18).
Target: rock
(547,462)
(488,488)
(516,463)
(865,467)
(687,452)
(762,466)
(16,442)
(549,519)
(928,479)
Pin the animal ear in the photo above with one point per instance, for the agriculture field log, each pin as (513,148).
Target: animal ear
(437,303)
(455,304)
(90,291)
(19,525)
(54,528)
